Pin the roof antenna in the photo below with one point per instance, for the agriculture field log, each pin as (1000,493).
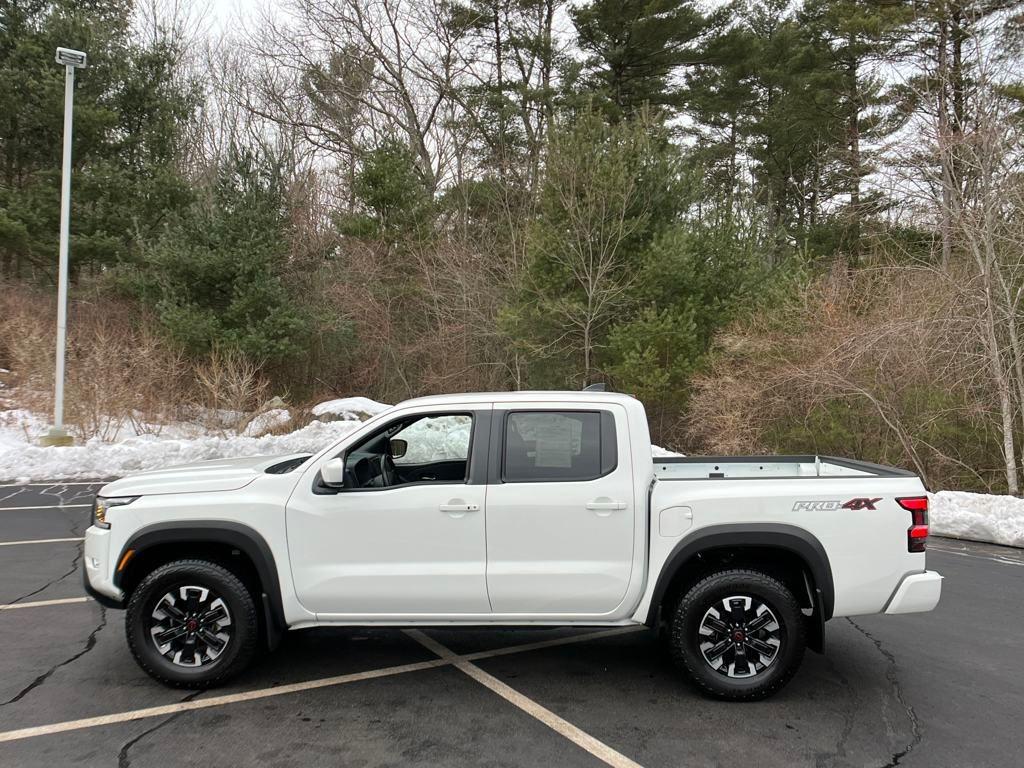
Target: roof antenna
(598,387)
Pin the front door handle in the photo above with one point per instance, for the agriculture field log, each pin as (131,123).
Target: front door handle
(605,506)
(456,508)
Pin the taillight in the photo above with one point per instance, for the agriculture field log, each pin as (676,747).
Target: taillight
(917,533)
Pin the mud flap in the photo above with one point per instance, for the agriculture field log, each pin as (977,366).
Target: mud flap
(816,624)
(274,632)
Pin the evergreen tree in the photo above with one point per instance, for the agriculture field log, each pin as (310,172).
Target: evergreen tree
(763,98)
(634,48)
(129,110)
(215,276)
(510,43)
(607,193)
(857,36)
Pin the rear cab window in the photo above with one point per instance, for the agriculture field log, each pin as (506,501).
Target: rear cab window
(566,446)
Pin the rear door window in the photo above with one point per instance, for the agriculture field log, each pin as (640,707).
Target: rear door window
(558,445)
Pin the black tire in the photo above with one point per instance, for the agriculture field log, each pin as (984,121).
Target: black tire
(748,678)
(230,601)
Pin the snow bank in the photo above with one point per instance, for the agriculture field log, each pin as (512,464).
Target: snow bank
(95,458)
(349,408)
(658,452)
(978,516)
(267,421)
(155,446)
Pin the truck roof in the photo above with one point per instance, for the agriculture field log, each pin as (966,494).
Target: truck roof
(535,396)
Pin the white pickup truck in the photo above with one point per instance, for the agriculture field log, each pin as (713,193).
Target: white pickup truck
(527,508)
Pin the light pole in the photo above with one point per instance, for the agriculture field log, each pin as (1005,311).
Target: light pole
(71,60)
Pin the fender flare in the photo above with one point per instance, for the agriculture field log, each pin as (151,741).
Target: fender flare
(789,538)
(236,535)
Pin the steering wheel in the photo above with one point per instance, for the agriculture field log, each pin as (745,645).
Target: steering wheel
(388,471)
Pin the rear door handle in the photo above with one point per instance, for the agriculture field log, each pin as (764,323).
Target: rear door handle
(459,508)
(605,506)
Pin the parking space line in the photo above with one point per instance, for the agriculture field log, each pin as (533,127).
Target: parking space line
(280,690)
(37,541)
(44,603)
(214,701)
(46,506)
(44,486)
(958,553)
(551,643)
(558,724)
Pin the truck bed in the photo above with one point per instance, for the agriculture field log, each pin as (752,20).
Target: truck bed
(761,467)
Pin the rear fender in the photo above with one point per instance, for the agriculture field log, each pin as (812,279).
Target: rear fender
(788,538)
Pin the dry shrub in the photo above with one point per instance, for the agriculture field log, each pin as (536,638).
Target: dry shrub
(118,370)
(230,387)
(880,364)
(425,318)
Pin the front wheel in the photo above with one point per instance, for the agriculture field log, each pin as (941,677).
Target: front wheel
(738,634)
(192,624)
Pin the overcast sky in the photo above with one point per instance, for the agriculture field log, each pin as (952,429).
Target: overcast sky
(223,12)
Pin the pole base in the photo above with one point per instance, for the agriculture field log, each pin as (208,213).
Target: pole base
(56,437)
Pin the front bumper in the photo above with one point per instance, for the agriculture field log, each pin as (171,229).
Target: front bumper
(97,571)
(917,593)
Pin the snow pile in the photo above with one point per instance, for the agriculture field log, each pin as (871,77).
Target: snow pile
(96,459)
(137,446)
(348,409)
(267,421)
(659,453)
(19,426)
(978,516)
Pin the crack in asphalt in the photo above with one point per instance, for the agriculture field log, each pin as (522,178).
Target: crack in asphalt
(90,643)
(75,563)
(122,756)
(823,760)
(897,687)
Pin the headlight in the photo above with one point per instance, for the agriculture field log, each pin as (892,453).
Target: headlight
(101,506)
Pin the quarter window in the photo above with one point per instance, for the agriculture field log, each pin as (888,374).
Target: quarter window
(558,445)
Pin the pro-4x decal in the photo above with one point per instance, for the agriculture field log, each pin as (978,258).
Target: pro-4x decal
(861,503)
(832,506)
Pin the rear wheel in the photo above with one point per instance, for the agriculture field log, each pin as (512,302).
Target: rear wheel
(192,624)
(738,634)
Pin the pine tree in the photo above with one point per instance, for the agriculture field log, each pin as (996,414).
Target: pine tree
(857,36)
(129,111)
(215,276)
(763,98)
(634,48)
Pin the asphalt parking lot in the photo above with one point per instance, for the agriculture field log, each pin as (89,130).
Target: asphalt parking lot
(938,689)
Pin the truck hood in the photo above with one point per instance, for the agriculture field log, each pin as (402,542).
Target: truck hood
(200,476)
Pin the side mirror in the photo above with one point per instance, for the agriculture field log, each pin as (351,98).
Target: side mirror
(333,472)
(398,448)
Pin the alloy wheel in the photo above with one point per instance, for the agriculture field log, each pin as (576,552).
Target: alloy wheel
(739,636)
(190,626)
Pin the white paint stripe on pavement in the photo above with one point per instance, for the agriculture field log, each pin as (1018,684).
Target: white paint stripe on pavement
(214,701)
(44,603)
(54,485)
(46,506)
(262,693)
(37,541)
(1000,560)
(558,724)
(552,643)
